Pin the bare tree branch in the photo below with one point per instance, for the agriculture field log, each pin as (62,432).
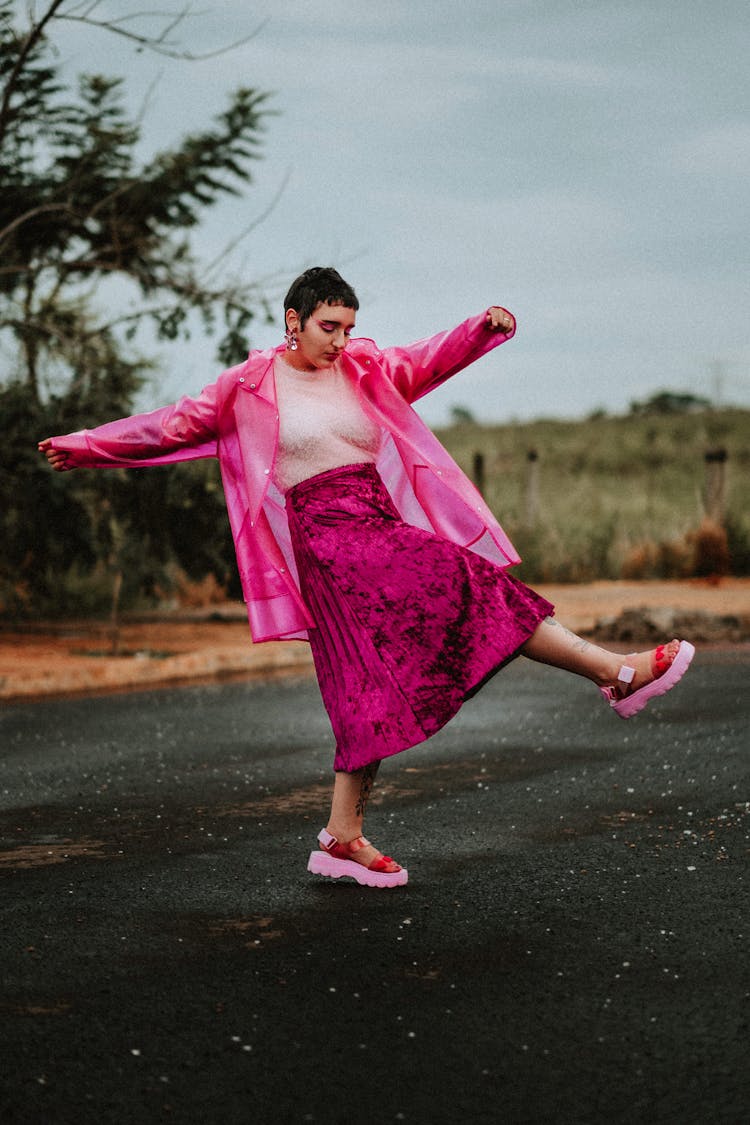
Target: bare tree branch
(235,242)
(159,44)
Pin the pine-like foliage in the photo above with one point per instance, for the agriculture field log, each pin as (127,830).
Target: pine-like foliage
(95,243)
(77,210)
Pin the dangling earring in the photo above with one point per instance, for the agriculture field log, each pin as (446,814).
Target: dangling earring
(291,339)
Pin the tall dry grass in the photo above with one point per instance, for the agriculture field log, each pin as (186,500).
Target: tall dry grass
(615,496)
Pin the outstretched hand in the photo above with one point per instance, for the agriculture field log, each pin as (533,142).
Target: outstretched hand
(58,458)
(500,320)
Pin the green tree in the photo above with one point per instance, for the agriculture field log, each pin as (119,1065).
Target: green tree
(671,402)
(78,209)
(95,246)
(462,416)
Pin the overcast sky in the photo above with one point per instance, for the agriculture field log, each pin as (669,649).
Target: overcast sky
(585,164)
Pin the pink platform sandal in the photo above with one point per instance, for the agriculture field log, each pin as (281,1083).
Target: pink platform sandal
(333,860)
(625,702)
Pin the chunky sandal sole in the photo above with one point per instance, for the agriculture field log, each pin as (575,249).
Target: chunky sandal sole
(321,863)
(634,703)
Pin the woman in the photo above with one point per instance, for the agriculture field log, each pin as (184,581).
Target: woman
(355,530)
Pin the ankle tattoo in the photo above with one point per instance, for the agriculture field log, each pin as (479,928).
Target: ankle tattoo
(365,787)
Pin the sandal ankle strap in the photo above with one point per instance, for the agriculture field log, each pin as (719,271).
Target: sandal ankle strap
(626,675)
(330,842)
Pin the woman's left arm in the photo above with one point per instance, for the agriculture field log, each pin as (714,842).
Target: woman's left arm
(420,367)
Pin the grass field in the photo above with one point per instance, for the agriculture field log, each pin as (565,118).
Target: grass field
(614,497)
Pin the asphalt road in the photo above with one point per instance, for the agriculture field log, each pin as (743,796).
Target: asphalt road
(571,947)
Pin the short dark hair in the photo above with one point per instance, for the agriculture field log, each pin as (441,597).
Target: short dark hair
(320,285)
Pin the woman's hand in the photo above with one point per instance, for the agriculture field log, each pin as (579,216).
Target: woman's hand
(500,320)
(57,458)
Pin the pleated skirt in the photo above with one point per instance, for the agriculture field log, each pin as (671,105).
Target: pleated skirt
(408,625)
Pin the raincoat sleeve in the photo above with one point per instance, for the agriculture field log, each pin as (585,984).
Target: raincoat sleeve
(420,367)
(184,431)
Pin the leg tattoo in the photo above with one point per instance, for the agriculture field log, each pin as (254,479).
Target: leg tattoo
(365,787)
(579,644)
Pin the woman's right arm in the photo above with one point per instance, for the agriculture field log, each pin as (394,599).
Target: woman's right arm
(425,364)
(182,431)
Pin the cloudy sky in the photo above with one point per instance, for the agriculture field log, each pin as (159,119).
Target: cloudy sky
(583,162)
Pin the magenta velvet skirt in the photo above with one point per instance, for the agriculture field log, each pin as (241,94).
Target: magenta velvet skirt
(408,624)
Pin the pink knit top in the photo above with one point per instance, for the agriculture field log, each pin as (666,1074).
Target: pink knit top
(321,424)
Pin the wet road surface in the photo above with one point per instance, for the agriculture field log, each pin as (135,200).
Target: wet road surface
(571,947)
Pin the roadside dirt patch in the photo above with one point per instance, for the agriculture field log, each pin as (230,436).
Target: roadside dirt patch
(76,658)
(43,855)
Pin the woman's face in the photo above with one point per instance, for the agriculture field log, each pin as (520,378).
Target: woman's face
(323,339)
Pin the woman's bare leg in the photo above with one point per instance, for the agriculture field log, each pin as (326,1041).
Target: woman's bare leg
(351,792)
(553,644)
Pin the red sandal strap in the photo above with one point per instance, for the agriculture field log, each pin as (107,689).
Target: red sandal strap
(330,842)
(383,864)
(347,850)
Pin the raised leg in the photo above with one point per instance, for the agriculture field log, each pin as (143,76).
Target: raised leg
(553,644)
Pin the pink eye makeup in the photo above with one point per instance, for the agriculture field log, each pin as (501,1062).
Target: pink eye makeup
(331,326)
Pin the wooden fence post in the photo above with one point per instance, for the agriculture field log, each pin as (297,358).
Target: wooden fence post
(532,489)
(715,494)
(478,471)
